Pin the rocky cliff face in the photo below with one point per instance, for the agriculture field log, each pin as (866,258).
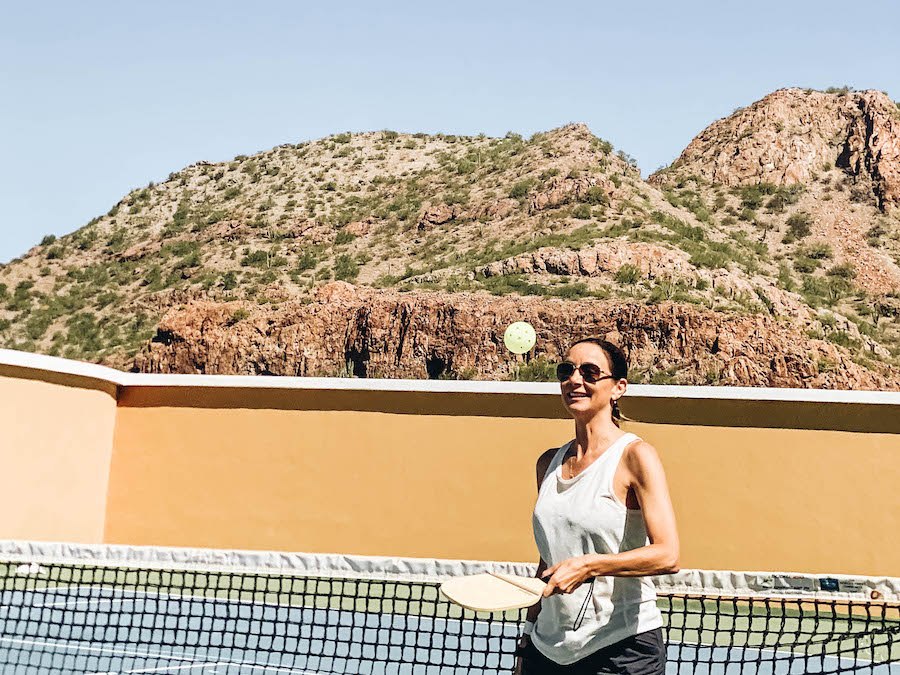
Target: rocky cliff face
(348,331)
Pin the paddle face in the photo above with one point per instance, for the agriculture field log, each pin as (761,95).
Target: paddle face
(493,592)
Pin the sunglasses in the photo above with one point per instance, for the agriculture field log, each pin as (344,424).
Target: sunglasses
(590,372)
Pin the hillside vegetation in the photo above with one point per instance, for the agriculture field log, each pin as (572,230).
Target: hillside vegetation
(787,209)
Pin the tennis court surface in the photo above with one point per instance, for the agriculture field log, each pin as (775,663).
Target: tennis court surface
(115,609)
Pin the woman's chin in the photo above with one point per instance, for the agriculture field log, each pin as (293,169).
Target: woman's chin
(578,404)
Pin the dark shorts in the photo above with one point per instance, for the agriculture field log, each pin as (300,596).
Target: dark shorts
(641,654)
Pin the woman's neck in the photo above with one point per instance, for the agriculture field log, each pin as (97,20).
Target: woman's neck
(593,437)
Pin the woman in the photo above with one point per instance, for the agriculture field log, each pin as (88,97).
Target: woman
(603,522)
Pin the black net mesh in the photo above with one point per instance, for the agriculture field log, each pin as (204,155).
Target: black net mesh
(76,618)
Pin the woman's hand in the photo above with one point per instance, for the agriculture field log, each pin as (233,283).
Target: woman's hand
(567,575)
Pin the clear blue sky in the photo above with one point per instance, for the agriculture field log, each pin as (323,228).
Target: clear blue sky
(97,98)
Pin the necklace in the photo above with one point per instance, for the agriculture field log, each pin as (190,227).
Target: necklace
(570,462)
(569,467)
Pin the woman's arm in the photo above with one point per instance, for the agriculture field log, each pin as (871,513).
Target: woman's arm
(660,556)
(543,463)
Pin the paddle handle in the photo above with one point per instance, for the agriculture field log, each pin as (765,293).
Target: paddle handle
(514,583)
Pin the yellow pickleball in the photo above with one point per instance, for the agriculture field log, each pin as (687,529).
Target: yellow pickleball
(519,337)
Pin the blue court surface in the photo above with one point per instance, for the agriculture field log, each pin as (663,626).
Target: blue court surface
(109,630)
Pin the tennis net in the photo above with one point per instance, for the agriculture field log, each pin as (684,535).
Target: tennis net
(115,609)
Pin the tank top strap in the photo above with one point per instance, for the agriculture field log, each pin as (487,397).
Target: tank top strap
(615,456)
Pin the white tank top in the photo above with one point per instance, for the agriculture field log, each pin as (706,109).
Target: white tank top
(578,516)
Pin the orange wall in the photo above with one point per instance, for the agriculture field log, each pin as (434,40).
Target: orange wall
(784,499)
(92,455)
(451,476)
(55,447)
(372,482)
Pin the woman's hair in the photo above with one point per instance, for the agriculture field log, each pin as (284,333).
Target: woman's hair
(618,364)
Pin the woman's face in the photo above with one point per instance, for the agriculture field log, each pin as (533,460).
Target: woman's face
(582,398)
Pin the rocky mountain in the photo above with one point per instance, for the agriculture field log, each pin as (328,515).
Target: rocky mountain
(776,233)
(796,137)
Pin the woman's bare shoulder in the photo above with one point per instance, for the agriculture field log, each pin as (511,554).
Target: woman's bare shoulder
(642,457)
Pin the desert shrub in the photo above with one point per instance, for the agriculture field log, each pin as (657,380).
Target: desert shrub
(628,159)
(106,298)
(508,284)
(844,270)
(21,298)
(229,280)
(702,214)
(465,166)
(764,299)
(456,197)
(710,259)
(255,258)
(85,238)
(628,274)
(602,145)
(549,173)
(37,325)
(180,217)
(345,268)
(520,189)
(238,315)
(817,251)
(752,196)
(814,290)
(799,225)
(343,237)
(784,196)
(84,331)
(842,339)
(570,291)
(785,280)
(874,235)
(307,260)
(192,259)
(596,195)
(806,265)
(582,212)
(538,369)
(116,240)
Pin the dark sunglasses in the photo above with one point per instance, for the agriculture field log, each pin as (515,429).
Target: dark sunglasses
(590,372)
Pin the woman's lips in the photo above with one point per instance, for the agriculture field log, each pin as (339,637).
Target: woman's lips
(574,396)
